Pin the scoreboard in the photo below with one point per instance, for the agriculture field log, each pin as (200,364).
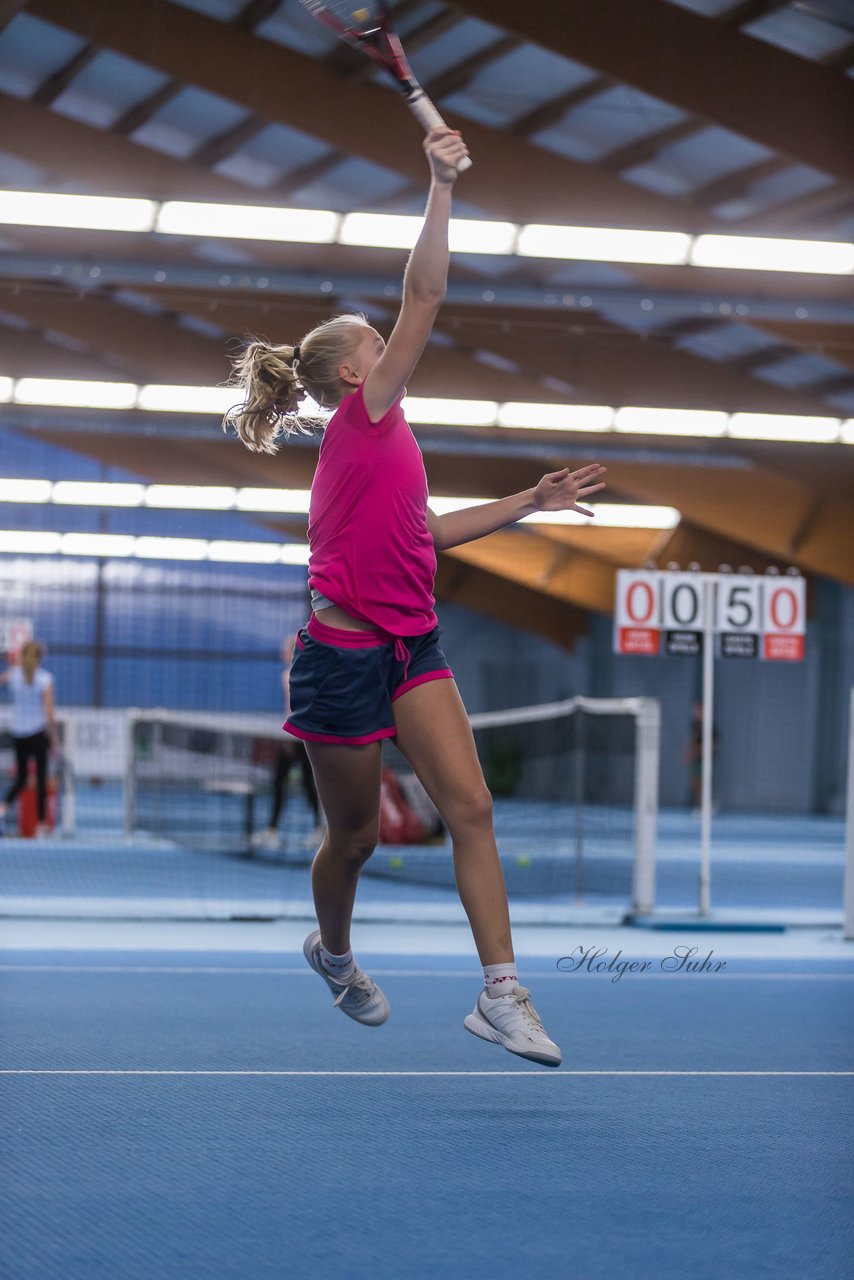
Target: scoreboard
(661,612)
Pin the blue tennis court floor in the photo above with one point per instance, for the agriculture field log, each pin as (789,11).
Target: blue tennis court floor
(184,1111)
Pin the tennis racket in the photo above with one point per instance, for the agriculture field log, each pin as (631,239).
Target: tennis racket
(365,26)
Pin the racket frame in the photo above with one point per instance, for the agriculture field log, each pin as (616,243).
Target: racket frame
(383,46)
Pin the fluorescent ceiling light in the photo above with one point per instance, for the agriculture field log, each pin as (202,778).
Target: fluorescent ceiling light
(247,222)
(97,544)
(443,506)
(98,493)
(29,543)
(6,388)
(603,244)
(515,415)
(380,230)
(469,235)
(758,253)
(460,413)
(285,501)
(295,553)
(613,515)
(25,490)
(90,213)
(671,422)
(171,548)
(400,231)
(245,552)
(782,426)
(846,435)
(164,398)
(204,497)
(395,231)
(71,393)
(555,417)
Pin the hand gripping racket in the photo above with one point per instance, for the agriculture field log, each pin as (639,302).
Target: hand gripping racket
(366,27)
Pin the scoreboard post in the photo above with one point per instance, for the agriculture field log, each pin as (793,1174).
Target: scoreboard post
(724,614)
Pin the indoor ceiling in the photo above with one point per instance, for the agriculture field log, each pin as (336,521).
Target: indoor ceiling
(693,116)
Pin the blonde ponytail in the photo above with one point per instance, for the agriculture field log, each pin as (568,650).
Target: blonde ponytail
(31,655)
(275,380)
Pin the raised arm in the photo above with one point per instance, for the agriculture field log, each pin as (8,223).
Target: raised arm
(557,491)
(425,280)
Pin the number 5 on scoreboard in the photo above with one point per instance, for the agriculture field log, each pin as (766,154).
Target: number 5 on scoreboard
(739,604)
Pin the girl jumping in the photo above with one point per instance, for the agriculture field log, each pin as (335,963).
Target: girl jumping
(368,664)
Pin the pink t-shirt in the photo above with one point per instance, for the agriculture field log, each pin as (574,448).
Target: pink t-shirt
(371,551)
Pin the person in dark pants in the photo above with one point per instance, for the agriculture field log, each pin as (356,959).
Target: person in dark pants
(33,726)
(291,754)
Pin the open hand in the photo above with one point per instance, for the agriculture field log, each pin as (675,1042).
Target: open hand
(445,149)
(560,490)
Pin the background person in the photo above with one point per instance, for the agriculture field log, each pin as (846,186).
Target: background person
(34,730)
(291,753)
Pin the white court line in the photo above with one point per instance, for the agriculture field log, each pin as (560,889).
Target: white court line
(56,1071)
(303,971)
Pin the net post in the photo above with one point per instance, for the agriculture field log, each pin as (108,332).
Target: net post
(130,776)
(647,733)
(69,774)
(578,803)
(849,830)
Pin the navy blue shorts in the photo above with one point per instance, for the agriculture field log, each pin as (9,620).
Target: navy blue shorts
(342,683)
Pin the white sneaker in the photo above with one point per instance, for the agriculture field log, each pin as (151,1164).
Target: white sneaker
(359,997)
(512,1021)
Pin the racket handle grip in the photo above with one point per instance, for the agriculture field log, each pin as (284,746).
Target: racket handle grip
(428,117)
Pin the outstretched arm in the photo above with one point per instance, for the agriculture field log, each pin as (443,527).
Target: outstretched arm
(425,280)
(557,491)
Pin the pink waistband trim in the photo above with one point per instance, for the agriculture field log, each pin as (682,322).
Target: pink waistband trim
(343,638)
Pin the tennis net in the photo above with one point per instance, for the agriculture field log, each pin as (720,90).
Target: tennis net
(167,814)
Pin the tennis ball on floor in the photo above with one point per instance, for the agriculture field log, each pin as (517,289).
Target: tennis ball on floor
(395,862)
(523,861)
(360,14)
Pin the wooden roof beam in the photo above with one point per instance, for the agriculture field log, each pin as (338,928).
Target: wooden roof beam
(534,561)
(9,9)
(611,366)
(775,514)
(647,148)
(677,55)
(148,348)
(457,77)
(51,88)
(510,179)
(141,112)
(494,595)
(98,160)
(749,10)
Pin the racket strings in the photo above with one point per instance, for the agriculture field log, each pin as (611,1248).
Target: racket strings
(353,15)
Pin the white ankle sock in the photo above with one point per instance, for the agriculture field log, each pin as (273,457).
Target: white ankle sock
(500,979)
(341,967)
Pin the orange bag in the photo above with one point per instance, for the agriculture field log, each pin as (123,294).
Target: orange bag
(28,810)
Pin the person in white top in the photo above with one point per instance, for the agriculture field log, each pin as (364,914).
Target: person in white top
(33,725)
